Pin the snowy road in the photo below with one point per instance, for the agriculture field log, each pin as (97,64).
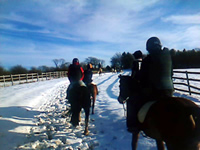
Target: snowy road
(31,118)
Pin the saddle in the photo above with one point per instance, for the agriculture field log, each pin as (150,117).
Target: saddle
(144,110)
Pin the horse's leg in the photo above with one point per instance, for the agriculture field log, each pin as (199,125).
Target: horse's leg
(160,145)
(87,113)
(79,116)
(75,117)
(94,94)
(135,137)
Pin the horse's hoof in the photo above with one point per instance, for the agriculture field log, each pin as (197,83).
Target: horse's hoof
(86,133)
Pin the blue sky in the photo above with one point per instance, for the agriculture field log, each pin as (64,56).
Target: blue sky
(34,32)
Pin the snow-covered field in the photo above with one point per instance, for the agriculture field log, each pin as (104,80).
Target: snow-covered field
(31,118)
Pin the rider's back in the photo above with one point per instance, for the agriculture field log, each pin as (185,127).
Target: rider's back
(87,76)
(75,72)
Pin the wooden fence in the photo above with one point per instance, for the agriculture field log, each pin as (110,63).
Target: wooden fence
(184,81)
(8,80)
(187,81)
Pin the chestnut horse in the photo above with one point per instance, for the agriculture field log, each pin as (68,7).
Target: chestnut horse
(173,120)
(79,97)
(92,87)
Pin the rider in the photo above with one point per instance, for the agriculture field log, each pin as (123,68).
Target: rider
(75,75)
(137,57)
(155,77)
(156,70)
(88,75)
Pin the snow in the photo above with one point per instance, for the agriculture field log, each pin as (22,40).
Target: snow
(31,118)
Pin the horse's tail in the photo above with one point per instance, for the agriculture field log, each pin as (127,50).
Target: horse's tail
(194,113)
(95,88)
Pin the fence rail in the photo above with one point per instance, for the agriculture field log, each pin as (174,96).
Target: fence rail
(8,80)
(188,82)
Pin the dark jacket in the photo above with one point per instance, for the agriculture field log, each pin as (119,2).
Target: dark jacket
(135,69)
(87,76)
(75,73)
(156,72)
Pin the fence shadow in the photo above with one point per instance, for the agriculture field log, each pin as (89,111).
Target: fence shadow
(15,123)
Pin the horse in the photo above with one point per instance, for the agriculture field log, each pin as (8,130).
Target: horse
(173,120)
(114,70)
(93,90)
(79,97)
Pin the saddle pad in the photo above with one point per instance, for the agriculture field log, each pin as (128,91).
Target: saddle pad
(93,83)
(144,110)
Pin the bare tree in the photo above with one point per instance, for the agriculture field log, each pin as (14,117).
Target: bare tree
(56,61)
(59,63)
(94,61)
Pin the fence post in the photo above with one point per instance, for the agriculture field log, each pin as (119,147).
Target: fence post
(4,81)
(37,77)
(27,78)
(11,79)
(19,79)
(188,82)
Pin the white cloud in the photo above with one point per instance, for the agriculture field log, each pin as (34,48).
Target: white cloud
(181,37)
(183,19)
(92,21)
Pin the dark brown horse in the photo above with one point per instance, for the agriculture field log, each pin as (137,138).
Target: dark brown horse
(93,93)
(173,120)
(79,97)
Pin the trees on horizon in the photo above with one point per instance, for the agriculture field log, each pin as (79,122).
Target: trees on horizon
(181,59)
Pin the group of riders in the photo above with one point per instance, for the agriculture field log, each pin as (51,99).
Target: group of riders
(79,77)
(154,78)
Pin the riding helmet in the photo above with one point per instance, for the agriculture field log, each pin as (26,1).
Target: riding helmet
(137,54)
(75,61)
(153,44)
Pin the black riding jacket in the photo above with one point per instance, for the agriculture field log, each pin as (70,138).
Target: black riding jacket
(156,71)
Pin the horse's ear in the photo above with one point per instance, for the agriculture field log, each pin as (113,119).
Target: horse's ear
(119,76)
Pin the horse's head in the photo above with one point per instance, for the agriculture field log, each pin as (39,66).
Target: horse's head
(124,88)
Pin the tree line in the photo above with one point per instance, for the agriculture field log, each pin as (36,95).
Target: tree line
(60,65)
(180,59)
(185,59)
